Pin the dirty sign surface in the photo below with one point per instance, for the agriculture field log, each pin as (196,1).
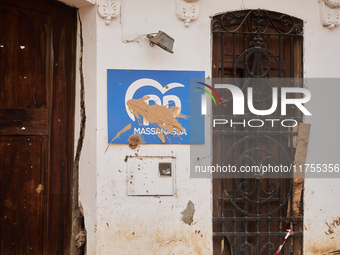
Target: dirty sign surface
(158,106)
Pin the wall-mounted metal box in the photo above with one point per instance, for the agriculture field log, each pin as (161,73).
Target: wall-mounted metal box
(151,176)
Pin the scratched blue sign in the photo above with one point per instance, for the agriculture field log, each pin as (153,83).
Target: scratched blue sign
(154,88)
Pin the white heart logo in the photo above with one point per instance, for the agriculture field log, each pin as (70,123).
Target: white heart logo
(149,82)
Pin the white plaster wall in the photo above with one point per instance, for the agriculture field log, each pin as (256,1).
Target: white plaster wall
(118,224)
(149,225)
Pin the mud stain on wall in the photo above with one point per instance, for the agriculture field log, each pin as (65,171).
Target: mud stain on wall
(319,250)
(302,146)
(140,237)
(163,117)
(332,225)
(134,141)
(324,242)
(300,160)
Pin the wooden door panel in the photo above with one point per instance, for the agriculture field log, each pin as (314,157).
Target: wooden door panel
(24,49)
(62,129)
(23,164)
(37,78)
(24,121)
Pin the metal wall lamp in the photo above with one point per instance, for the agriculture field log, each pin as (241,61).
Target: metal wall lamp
(162,40)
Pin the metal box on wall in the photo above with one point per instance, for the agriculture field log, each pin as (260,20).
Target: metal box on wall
(150,176)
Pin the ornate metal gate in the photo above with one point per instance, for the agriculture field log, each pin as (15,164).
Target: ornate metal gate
(250,214)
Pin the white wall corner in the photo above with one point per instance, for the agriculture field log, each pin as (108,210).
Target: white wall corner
(187,10)
(108,9)
(330,13)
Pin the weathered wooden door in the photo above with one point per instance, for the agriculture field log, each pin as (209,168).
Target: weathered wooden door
(37,69)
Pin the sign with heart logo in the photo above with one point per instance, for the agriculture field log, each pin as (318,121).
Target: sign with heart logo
(155,105)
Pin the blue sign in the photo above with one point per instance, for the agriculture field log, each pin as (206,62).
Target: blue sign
(158,106)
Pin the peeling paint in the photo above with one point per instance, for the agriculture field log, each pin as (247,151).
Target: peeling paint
(188,213)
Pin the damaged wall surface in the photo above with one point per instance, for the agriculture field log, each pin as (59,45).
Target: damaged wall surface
(182,224)
(321,196)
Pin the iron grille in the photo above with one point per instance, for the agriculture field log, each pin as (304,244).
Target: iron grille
(250,214)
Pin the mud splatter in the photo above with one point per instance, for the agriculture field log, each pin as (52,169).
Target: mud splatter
(300,160)
(134,141)
(39,189)
(318,249)
(81,239)
(121,132)
(188,213)
(334,252)
(177,112)
(126,128)
(160,135)
(332,225)
(160,115)
(301,147)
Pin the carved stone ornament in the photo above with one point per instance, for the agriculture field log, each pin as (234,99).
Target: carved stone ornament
(187,10)
(330,13)
(108,9)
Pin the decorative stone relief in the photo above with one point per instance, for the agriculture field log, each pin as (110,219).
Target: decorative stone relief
(108,9)
(330,13)
(187,10)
